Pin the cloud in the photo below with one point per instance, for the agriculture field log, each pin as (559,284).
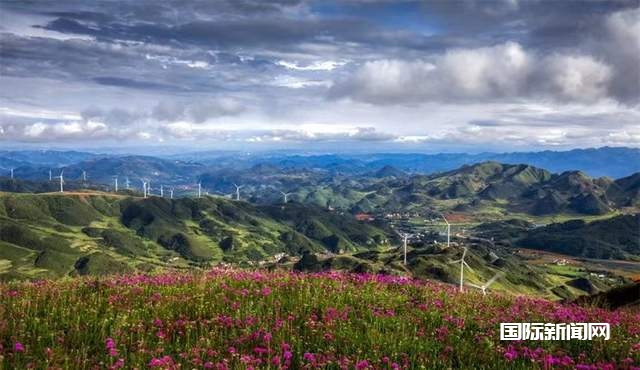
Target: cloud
(327,65)
(304,133)
(576,78)
(501,72)
(199,111)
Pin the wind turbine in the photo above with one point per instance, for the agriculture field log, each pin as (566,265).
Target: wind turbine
(285,195)
(12,174)
(144,188)
(463,264)
(50,175)
(84,176)
(61,181)
(238,187)
(199,190)
(115,179)
(126,182)
(161,191)
(448,231)
(149,188)
(484,287)
(405,237)
(171,192)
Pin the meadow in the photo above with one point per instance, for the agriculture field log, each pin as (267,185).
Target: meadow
(241,319)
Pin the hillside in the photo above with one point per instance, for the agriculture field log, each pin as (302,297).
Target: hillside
(614,238)
(48,235)
(618,238)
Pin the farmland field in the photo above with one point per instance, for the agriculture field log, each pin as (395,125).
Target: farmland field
(241,319)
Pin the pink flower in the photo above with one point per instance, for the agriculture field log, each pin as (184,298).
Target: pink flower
(511,354)
(362,364)
(266,291)
(309,357)
(18,347)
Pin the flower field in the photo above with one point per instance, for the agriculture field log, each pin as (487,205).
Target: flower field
(237,319)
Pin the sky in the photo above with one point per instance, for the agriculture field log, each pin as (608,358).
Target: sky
(427,76)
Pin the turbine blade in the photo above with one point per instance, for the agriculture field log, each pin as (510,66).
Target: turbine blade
(464,253)
(456,261)
(493,279)
(467,265)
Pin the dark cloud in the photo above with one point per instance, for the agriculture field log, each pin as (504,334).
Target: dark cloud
(134,84)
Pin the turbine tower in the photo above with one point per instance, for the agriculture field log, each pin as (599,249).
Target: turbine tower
(115,179)
(161,191)
(171,192)
(463,264)
(199,190)
(12,174)
(238,187)
(126,183)
(84,176)
(405,237)
(285,195)
(61,177)
(144,188)
(50,175)
(484,286)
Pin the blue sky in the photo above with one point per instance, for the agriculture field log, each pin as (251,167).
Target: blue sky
(293,74)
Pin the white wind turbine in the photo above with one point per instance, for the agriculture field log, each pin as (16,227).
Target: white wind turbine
(84,176)
(199,190)
(50,175)
(405,237)
(484,286)
(127,183)
(115,179)
(144,188)
(12,174)
(161,191)
(238,187)
(149,188)
(61,177)
(463,264)
(171,192)
(285,195)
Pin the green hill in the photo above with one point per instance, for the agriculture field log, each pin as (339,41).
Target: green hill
(50,235)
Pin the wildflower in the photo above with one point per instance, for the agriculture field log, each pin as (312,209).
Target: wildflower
(511,354)
(288,355)
(18,347)
(266,291)
(267,337)
(309,357)
(362,364)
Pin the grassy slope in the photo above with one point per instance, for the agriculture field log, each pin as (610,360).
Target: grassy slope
(49,235)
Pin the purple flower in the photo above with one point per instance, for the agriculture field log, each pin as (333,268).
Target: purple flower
(18,347)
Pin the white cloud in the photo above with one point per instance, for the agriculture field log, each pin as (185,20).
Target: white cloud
(328,65)
(579,78)
(498,73)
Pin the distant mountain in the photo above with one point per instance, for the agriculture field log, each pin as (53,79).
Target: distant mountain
(43,158)
(495,187)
